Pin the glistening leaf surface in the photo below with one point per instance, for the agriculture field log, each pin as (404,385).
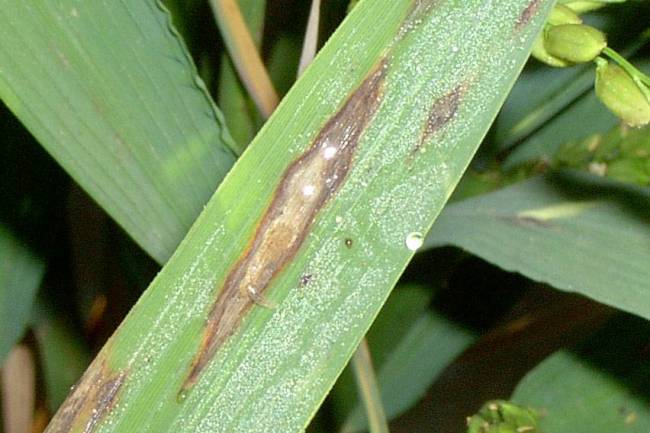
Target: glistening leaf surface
(389,177)
(577,233)
(108,88)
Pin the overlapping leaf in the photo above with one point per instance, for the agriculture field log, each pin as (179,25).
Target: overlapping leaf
(575,232)
(108,88)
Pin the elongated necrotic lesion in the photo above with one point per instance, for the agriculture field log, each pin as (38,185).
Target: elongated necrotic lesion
(442,111)
(93,398)
(305,187)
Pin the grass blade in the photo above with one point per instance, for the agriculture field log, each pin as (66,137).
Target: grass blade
(63,355)
(585,117)
(380,146)
(20,275)
(108,88)
(239,110)
(576,233)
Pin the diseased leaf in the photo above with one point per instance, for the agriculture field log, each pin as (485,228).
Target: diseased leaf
(108,88)
(312,222)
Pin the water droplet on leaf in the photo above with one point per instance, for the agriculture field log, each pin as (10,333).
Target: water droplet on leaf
(414,241)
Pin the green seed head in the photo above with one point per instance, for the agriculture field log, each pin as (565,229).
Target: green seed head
(621,94)
(574,43)
(540,53)
(561,14)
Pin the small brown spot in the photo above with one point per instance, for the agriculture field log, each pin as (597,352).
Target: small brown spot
(442,111)
(348,242)
(418,10)
(305,279)
(527,14)
(304,188)
(92,399)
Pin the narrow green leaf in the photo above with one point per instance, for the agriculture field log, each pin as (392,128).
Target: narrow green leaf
(577,233)
(109,90)
(430,345)
(586,116)
(383,123)
(603,388)
(539,94)
(282,64)
(63,355)
(20,275)
(403,307)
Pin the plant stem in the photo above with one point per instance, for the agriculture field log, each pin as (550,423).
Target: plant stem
(637,75)
(367,385)
(245,56)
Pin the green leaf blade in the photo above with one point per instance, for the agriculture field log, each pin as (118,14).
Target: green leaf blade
(110,91)
(561,231)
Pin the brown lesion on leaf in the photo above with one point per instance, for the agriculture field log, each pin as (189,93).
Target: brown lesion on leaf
(417,12)
(93,398)
(527,14)
(305,279)
(304,188)
(441,113)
